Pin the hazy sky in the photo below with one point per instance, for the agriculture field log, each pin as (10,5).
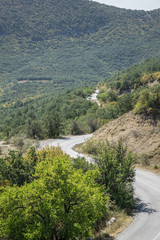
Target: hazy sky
(133,4)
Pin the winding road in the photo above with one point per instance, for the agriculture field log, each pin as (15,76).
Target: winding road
(146,225)
(67,144)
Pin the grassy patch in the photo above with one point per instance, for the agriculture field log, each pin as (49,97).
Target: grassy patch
(110,232)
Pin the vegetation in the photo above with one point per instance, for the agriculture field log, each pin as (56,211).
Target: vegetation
(137,75)
(134,88)
(54,197)
(15,169)
(72,113)
(115,164)
(60,203)
(50,117)
(47,48)
(43,52)
(149,102)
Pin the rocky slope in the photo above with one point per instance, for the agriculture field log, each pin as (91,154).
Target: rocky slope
(141,136)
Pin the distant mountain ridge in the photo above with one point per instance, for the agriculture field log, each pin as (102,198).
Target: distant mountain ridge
(71,18)
(73,42)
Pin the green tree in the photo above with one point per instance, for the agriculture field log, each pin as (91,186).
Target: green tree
(75,129)
(61,203)
(93,124)
(125,103)
(53,124)
(117,173)
(33,129)
(149,102)
(16,169)
(82,163)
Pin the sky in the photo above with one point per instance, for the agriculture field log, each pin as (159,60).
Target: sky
(133,4)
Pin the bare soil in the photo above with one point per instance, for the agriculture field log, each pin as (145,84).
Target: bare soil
(141,135)
(5,148)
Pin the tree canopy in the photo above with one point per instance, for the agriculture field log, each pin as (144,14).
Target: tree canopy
(60,203)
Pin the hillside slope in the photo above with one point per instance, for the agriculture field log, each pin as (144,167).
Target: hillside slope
(39,19)
(74,42)
(141,136)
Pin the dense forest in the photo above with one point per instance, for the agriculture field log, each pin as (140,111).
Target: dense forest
(48,46)
(72,113)
(137,87)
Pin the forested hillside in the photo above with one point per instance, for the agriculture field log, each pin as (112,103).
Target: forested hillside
(50,45)
(136,88)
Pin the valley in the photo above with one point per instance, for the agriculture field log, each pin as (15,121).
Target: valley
(81,76)
(72,51)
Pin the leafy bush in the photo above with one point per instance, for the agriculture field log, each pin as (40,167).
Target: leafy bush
(109,96)
(116,172)
(149,102)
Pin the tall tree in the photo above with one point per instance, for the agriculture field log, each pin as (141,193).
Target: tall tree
(117,173)
(53,124)
(61,203)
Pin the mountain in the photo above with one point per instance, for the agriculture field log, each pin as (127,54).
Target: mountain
(50,45)
(42,20)
(136,88)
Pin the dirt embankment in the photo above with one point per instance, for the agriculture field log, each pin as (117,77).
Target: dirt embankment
(5,148)
(139,134)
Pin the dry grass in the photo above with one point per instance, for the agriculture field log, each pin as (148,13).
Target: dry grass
(111,232)
(139,134)
(79,148)
(5,148)
(17,143)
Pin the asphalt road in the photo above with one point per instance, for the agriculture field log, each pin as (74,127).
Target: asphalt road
(146,225)
(67,144)
(93,97)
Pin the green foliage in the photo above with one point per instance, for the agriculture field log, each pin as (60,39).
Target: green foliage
(131,89)
(136,75)
(93,123)
(149,102)
(124,103)
(72,113)
(90,147)
(82,163)
(75,129)
(14,169)
(48,117)
(53,124)
(109,96)
(117,173)
(156,167)
(33,129)
(61,203)
(115,109)
(52,46)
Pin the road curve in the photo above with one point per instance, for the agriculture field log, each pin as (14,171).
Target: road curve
(146,225)
(67,144)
